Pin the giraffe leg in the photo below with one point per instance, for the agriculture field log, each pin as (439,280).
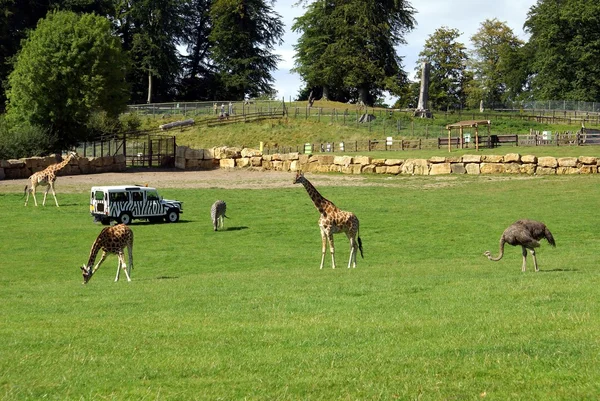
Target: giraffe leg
(323,247)
(130,266)
(532,251)
(45,194)
(99,263)
(33,193)
(352,260)
(53,193)
(524,259)
(331,249)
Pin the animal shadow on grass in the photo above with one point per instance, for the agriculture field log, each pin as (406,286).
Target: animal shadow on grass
(557,270)
(236,228)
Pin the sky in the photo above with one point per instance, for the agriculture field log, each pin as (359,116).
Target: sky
(464,15)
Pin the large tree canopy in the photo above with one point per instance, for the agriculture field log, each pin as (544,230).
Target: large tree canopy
(565,49)
(447,59)
(493,45)
(349,45)
(69,67)
(243,36)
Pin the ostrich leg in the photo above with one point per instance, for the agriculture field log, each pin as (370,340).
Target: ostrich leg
(524,259)
(534,260)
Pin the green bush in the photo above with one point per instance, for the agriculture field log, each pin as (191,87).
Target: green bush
(23,140)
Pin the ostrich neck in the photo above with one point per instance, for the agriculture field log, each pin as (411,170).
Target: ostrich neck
(501,251)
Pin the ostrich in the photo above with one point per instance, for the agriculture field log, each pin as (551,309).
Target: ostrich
(527,234)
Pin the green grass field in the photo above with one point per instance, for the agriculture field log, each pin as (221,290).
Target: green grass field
(246,314)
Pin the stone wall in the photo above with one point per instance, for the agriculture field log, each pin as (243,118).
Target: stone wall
(512,163)
(23,168)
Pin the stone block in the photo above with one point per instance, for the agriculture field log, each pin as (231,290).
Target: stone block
(180,151)
(369,168)
(547,161)
(567,170)
(492,159)
(16,163)
(249,152)
(393,169)
(381,169)
(208,154)
(458,168)
(208,164)
(492,168)
(191,164)
(587,160)
(242,162)
(303,159)
(528,159)
(226,163)
(528,168)
(256,161)
(415,166)
(342,160)
(588,169)
(545,170)
(378,162)
(180,162)
(437,159)
(471,159)
(512,158)
(362,160)
(567,161)
(197,154)
(512,168)
(440,168)
(393,162)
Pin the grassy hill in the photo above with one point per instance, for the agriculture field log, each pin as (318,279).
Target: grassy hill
(338,122)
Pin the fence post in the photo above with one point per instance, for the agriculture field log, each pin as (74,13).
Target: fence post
(149,151)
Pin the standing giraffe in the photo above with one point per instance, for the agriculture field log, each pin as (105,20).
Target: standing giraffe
(111,240)
(46,177)
(332,221)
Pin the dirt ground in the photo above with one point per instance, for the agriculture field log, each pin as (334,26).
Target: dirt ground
(172,178)
(243,179)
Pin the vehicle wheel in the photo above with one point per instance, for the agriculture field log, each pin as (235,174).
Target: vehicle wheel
(172,216)
(105,222)
(125,218)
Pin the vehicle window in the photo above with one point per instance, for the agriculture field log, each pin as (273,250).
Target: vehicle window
(137,196)
(152,195)
(118,197)
(99,195)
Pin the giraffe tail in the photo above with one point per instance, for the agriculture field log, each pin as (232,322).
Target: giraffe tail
(360,247)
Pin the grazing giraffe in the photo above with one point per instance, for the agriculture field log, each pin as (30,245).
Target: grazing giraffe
(111,240)
(217,214)
(333,220)
(46,177)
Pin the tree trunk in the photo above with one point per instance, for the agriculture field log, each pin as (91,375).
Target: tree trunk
(149,87)
(325,92)
(363,95)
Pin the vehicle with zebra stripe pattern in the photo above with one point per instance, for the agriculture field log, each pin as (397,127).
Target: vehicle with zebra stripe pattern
(124,203)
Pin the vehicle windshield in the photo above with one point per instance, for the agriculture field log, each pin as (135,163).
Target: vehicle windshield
(152,195)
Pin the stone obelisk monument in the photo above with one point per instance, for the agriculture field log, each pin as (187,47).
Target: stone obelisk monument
(422,110)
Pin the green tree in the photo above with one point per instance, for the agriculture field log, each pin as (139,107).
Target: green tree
(17,17)
(69,67)
(492,44)
(243,36)
(447,59)
(565,49)
(349,45)
(150,31)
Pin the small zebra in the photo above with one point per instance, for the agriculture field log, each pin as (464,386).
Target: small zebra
(217,213)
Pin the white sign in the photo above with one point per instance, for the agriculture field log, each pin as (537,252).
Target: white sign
(467,138)
(388,141)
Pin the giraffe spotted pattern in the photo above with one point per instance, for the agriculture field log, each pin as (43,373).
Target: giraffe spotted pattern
(111,240)
(332,221)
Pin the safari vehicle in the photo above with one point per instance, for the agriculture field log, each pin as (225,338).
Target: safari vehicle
(124,203)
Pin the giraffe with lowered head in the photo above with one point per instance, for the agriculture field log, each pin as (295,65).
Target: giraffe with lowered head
(332,221)
(46,177)
(112,239)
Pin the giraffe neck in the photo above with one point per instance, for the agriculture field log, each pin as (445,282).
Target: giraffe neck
(94,252)
(62,164)
(318,199)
